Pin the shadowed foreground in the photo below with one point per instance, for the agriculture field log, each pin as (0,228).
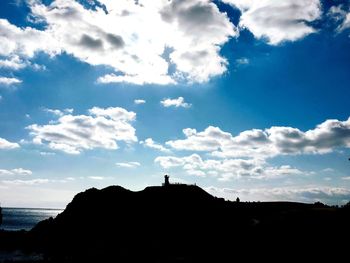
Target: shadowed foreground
(180,223)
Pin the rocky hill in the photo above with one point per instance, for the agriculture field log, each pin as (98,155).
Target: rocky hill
(183,223)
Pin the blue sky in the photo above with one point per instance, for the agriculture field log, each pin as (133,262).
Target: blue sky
(244,98)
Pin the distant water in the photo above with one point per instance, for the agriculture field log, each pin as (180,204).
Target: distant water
(25,218)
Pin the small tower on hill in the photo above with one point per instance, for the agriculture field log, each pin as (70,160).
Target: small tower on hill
(166,180)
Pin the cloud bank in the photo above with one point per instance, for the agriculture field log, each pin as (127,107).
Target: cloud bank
(186,47)
(247,154)
(120,35)
(227,169)
(324,138)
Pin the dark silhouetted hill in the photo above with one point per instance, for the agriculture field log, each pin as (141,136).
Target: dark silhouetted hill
(183,223)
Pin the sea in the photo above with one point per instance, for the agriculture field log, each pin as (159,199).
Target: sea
(15,219)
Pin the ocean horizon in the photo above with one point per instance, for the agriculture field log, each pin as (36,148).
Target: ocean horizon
(19,218)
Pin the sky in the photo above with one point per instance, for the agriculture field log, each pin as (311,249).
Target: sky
(245,98)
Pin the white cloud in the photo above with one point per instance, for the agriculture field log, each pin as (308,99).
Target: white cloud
(309,194)
(255,143)
(47,153)
(70,178)
(139,101)
(242,61)
(283,170)
(54,112)
(37,67)
(154,145)
(196,172)
(21,171)
(328,170)
(346,178)
(136,79)
(195,52)
(169,161)
(96,178)
(5,172)
(210,139)
(69,110)
(337,13)
(24,42)
(123,38)
(16,171)
(128,164)
(13,62)
(4,144)
(116,113)
(178,102)
(346,23)
(62,181)
(58,112)
(9,81)
(276,20)
(26,182)
(72,134)
(340,15)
